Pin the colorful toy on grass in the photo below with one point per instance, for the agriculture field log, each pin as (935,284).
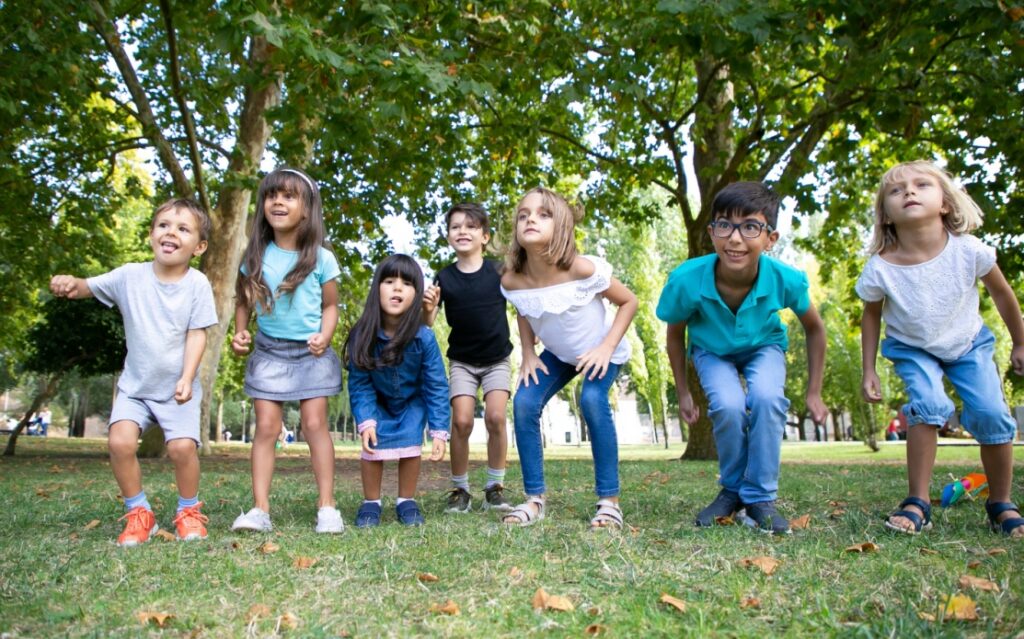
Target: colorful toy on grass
(972,485)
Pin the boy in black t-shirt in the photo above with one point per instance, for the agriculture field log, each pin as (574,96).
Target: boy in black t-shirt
(478,350)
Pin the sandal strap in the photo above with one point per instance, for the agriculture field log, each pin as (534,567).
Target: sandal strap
(994,509)
(926,509)
(607,512)
(524,515)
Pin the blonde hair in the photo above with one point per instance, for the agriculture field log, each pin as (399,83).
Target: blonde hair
(963,216)
(562,250)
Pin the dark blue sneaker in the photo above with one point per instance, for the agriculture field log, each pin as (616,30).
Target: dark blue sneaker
(368,515)
(409,513)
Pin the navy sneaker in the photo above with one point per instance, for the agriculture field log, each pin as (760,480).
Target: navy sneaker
(368,515)
(768,518)
(724,505)
(408,513)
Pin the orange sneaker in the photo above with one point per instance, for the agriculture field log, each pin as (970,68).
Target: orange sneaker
(188,523)
(140,528)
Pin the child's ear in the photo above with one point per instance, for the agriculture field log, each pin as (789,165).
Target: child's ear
(200,248)
(773,237)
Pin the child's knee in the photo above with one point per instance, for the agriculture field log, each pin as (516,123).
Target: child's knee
(524,405)
(494,419)
(181,450)
(268,430)
(773,400)
(462,428)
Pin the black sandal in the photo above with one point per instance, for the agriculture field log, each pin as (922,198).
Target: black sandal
(1006,526)
(920,523)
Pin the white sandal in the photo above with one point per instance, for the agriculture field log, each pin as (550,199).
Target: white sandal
(609,515)
(523,515)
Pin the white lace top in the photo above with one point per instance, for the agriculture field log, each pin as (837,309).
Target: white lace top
(570,318)
(933,305)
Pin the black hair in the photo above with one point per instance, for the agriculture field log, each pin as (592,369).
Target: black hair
(744,199)
(361,345)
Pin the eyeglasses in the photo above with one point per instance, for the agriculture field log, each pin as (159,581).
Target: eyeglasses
(749,229)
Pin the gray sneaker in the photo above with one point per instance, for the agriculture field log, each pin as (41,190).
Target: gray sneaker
(724,505)
(494,498)
(256,519)
(459,500)
(328,520)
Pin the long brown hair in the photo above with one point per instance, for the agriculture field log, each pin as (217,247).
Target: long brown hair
(562,249)
(251,288)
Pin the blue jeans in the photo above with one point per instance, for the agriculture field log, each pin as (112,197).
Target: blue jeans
(973,375)
(528,404)
(747,426)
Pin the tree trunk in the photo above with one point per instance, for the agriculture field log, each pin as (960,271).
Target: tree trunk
(41,397)
(837,427)
(218,433)
(78,414)
(227,240)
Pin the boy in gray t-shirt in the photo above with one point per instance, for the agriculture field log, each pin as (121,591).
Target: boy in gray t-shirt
(166,306)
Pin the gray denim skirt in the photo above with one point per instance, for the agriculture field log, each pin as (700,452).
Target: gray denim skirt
(284,370)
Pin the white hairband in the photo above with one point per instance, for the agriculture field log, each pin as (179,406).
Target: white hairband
(302,175)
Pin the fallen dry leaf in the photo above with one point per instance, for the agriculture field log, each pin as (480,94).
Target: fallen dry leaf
(595,629)
(837,513)
(73,536)
(92,524)
(55,469)
(288,621)
(973,563)
(269,547)
(593,611)
(447,608)
(678,604)
(166,536)
(865,547)
(997,551)
(514,572)
(236,545)
(302,563)
(928,551)
(726,520)
(967,581)
(836,504)
(426,577)
(925,616)
(750,602)
(257,611)
(767,565)
(800,523)
(960,607)
(150,616)
(42,492)
(542,600)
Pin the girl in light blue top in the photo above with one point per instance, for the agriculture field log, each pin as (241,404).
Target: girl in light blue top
(288,279)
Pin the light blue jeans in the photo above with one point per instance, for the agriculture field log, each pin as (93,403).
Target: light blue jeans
(747,426)
(973,375)
(528,404)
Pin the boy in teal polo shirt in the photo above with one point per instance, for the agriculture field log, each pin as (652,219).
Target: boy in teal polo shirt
(730,302)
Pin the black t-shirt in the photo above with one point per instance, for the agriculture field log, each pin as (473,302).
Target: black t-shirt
(475,309)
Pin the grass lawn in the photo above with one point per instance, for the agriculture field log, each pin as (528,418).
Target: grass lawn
(62,575)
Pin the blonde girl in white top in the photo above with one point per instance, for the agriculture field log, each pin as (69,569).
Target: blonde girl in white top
(559,295)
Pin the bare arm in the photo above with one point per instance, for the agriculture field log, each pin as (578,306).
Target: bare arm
(240,342)
(195,343)
(1009,309)
(870,330)
(69,286)
(431,304)
(595,361)
(814,331)
(319,343)
(675,343)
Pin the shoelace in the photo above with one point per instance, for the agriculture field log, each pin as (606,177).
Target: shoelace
(134,517)
(191,513)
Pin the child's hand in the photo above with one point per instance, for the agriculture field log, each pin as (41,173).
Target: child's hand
(871,387)
(595,361)
(240,342)
(431,297)
(64,286)
(529,368)
(317,344)
(183,390)
(437,451)
(369,440)
(817,408)
(688,411)
(1017,359)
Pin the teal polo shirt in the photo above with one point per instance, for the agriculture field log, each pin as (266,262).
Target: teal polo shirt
(690,296)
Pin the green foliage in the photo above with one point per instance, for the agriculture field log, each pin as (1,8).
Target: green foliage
(80,335)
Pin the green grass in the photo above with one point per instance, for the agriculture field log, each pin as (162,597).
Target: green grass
(59,578)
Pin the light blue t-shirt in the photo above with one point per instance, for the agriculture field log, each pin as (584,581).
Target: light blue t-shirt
(297,315)
(690,296)
(157,317)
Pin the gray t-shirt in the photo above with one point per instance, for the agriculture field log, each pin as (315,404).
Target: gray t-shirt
(157,315)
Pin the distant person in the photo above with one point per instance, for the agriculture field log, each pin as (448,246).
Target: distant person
(728,302)
(288,278)
(922,279)
(166,306)
(396,387)
(478,352)
(892,433)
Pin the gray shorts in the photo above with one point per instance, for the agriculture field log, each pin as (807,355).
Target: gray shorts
(464,379)
(178,421)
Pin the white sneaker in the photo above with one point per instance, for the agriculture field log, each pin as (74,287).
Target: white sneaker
(255,519)
(328,520)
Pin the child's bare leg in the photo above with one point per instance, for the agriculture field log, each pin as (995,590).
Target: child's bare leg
(922,442)
(184,455)
(495,404)
(313,413)
(408,476)
(268,429)
(463,407)
(123,442)
(372,472)
(997,460)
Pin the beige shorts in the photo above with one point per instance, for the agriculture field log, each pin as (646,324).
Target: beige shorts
(464,379)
